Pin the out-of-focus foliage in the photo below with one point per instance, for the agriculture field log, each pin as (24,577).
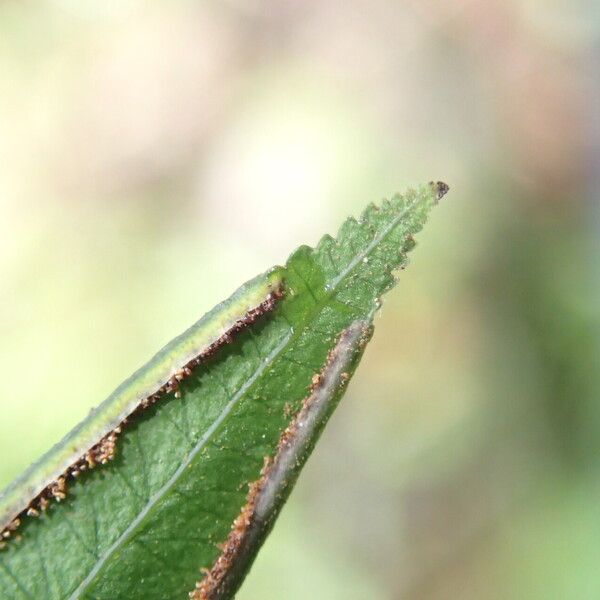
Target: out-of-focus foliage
(140,142)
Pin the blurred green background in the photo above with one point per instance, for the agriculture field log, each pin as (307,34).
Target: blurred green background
(154,155)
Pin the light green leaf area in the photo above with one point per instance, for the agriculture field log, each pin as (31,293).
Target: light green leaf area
(145,524)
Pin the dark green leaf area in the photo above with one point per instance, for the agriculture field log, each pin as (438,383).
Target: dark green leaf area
(144,525)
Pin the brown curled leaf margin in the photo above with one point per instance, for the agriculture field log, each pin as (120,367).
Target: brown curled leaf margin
(267,495)
(105,450)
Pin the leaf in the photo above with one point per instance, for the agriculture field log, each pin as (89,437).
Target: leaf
(200,471)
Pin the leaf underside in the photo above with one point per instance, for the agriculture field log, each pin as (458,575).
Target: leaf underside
(144,525)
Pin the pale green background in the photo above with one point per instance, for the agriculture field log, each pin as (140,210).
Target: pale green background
(154,155)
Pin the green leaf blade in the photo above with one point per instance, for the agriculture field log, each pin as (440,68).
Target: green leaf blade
(144,525)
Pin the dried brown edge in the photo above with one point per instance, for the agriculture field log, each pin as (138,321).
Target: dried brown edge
(440,188)
(267,494)
(105,450)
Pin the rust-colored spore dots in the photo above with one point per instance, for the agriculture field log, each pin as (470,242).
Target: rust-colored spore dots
(173,385)
(9,531)
(99,454)
(214,577)
(105,450)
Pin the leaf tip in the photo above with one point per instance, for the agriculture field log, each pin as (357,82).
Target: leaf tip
(440,189)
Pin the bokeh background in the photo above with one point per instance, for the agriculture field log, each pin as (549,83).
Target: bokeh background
(154,155)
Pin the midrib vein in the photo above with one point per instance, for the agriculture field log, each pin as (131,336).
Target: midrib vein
(372,245)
